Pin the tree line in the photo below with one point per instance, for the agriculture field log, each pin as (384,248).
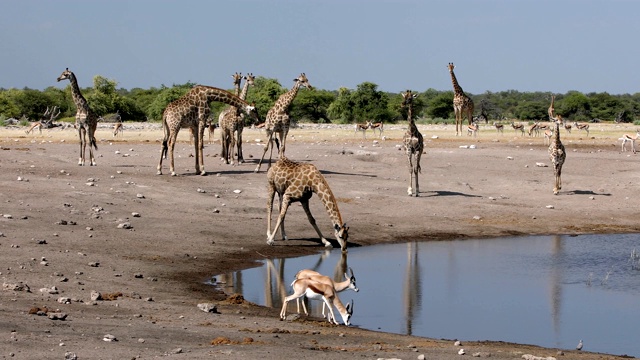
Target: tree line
(341,106)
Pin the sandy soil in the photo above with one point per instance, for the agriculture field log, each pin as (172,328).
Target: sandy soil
(61,236)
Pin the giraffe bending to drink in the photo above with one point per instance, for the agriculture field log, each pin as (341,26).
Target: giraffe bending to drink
(192,111)
(298,182)
(413,145)
(86,119)
(277,120)
(557,155)
(462,104)
(231,121)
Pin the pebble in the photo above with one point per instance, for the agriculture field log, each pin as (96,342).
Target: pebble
(57,316)
(95,296)
(125,225)
(237,191)
(550,207)
(140,196)
(109,338)
(135,214)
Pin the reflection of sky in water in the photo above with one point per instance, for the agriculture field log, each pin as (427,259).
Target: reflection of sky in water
(544,290)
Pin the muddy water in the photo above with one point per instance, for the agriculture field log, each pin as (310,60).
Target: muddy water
(550,291)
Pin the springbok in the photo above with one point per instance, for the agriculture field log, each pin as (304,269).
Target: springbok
(581,127)
(379,126)
(363,128)
(349,283)
(318,291)
(629,138)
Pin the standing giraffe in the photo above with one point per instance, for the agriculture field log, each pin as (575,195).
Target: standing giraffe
(462,104)
(86,119)
(413,145)
(552,110)
(298,182)
(278,118)
(231,121)
(557,155)
(191,111)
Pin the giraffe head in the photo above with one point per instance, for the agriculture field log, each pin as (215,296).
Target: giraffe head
(407,98)
(237,78)
(66,74)
(342,235)
(250,78)
(451,67)
(251,111)
(303,81)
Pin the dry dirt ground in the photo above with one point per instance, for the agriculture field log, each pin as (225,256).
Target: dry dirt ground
(61,237)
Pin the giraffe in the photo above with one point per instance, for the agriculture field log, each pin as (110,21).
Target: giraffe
(191,111)
(557,155)
(277,120)
(298,182)
(232,121)
(86,119)
(552,110)
(413,144)
(462,104)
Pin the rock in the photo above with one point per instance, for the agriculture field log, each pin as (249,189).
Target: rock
(539,164)
(550,207)
(135,214)
(125,225)
(457,343)
(237,191)
(95,296)
(461,352)
(57,316)
(19,286)
(64,300)
(70,356)
(208,307)
(140,196)
(109,338)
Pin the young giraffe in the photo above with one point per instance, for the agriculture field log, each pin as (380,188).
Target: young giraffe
(462,104)
(86,119)
(413,145)
(237,80)
(557,155)
(191,111)
(232,121)
(298,182)
(277,120)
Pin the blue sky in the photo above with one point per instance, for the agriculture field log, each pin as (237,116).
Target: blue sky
(496,45)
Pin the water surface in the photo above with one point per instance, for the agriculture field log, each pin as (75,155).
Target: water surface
(550,291)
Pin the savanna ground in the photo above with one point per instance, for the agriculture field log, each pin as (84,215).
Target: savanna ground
(153,274)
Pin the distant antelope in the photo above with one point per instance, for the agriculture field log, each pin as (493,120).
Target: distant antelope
(534,130)
(473,129)
(581,127)
(499,127)
(379,126)
(117,129)
(363,128)
(629,138)
(519,127)
(35,124)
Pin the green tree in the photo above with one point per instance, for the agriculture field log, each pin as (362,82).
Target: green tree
(164,97)
(311,106)
(574,105)
(341,109)
(441,106)
(531,110)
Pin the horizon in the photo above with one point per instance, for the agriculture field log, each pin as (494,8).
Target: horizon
(496,45)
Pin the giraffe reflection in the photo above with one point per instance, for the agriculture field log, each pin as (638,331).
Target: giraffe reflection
(412,292)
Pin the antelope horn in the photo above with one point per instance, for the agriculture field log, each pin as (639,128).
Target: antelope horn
(350,271)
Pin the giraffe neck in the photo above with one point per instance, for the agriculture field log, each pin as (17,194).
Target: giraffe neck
(78,99)
(330,204)
(287,98)
(553,98)
(223,96)
(556,134)
(456,88)
(245,90)
(236,87)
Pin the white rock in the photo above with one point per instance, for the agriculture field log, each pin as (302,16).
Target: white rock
(237,191)
(461,352)
(550,207)
(539,164)
(109,338)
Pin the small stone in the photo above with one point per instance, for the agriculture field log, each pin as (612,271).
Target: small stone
(64,300)
(135,214)
(457,343)
(109,338)
(477,217)
(125,225)
(539,164)
(140,196)
(509,157)
(216,210)
(57,316)
(177,351)
(461,352)
(95,296)
(421,357)
(208,307)
(202,191)
(591,198)
(550,207)
(141,340)
(138,276)
(7,216)
(94,264)
(237,191)
(70,356)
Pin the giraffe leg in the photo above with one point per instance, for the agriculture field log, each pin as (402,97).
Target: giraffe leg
(92,144)
(283,211)
(271,192)
(81,135)
(172,144)
(264,152)
(200,149)
(239,143)
(312,221)
(417,172)
(232,146)
(410,189)
(283,233)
